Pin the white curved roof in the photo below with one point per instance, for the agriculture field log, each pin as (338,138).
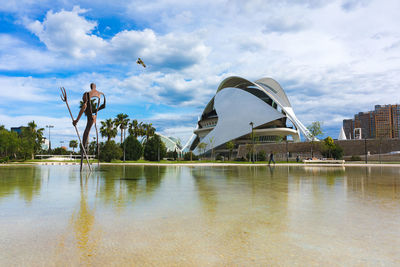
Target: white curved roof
(239,101)
(272,89)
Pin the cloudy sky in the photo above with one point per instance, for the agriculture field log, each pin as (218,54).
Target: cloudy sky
(333,58)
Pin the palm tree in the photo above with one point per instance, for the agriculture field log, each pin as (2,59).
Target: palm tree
(134,128)
(142,131)
(37,135)
(149,130)
(108,129)
(121,121)
(73,144)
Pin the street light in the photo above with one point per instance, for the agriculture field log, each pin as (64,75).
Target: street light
(49,126)
(252,140)
(365,149)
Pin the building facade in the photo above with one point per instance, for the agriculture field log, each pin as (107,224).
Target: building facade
(382,122)
(243,111)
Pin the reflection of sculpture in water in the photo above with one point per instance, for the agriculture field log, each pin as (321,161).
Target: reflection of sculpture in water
(83,222)
(91,111)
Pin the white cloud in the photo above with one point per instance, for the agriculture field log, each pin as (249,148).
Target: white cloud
(16,89)
(68,33)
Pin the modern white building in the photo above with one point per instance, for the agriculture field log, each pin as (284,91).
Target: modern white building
(171,143)
(240,108)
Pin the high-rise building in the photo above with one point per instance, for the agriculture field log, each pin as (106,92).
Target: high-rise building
(365,121)
(396,120)
(348,126)
(383,122)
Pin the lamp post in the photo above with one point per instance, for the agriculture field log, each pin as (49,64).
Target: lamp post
(365,148)
(287,151)
(252,141)
(49,126)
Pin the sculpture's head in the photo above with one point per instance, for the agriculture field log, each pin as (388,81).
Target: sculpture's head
(93,86)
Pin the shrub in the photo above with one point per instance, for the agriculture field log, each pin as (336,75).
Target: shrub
(4,160)
(187,156)
(110,151)
(262,156)
(355,158)
(218,157)
(133,148)
(154,146)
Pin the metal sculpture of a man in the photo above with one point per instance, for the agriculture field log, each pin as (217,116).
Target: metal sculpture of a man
(90,107)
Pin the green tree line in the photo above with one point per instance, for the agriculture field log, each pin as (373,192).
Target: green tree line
(22,145)
(151,149)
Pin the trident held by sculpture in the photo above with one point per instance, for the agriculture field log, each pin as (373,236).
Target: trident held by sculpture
(65,99)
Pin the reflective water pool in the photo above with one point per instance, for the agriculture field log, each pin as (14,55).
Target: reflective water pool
(185,216)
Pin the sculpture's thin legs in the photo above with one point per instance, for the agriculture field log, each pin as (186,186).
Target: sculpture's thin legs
(85,139)
(98,147)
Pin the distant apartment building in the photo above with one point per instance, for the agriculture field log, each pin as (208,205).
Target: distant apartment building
(348,128)
(18,130)
(383,122)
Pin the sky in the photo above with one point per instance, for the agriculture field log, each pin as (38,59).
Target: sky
(333,58)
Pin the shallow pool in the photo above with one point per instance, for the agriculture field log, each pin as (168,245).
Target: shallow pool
(198,216)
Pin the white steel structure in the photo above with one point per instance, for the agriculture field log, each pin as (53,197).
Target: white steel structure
(238,103)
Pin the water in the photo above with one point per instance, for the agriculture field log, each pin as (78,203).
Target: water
(198,216)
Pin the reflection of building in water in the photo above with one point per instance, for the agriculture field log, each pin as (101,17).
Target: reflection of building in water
(376,181)
(256,197)
(379,182)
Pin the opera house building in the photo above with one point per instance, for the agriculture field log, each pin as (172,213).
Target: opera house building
(241,108)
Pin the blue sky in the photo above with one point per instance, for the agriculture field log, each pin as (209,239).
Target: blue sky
(333,58)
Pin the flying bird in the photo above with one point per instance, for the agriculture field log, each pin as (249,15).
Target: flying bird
(140,61)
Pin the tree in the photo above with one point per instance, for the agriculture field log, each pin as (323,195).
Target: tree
(73,144)
(249,150)
(190,156)
(149,130)
(31,140)
(202,147)
(134,149)
(230,146)
(135,128)
(37,135)
(121,121)
(211,140)
(59,151)
(331,150)
(110,151)
(315,130)
(9,143)
(108,129)
(261,156)
(92,148)
(154,149)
